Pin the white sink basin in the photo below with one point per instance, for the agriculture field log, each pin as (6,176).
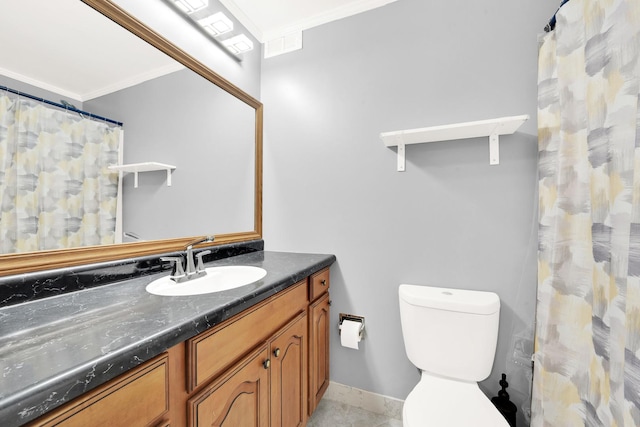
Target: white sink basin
(217,279)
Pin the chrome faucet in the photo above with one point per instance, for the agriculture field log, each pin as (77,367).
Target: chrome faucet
(191,269)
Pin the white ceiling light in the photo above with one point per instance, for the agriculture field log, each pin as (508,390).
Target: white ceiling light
(216,24)
(189,6)
(238,44)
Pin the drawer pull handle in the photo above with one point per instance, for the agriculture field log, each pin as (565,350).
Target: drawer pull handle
(266,364)
(323,282)
(276,352)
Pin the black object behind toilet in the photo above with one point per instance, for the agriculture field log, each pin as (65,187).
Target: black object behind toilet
(504,405)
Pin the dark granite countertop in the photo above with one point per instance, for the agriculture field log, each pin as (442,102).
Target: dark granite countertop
(55,349)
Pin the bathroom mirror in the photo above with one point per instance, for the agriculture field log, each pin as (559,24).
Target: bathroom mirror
(229,181)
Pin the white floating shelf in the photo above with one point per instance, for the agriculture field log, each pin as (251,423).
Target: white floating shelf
(135,168)
(491,128)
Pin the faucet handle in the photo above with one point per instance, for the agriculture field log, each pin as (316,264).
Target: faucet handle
(178,270)
(199,255)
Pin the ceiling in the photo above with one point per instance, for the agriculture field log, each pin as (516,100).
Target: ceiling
(270,19)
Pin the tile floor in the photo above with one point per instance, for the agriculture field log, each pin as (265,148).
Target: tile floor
(331,413)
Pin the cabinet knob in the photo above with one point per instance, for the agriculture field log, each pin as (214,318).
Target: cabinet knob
(266,364)
(276,352)
(323,282)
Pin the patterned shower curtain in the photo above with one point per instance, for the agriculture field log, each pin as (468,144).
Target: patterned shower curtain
(587,356)
(55,189)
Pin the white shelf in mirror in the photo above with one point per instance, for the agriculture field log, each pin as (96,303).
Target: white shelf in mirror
(135,168)
(492,128)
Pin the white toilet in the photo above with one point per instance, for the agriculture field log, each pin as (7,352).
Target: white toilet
(451,336)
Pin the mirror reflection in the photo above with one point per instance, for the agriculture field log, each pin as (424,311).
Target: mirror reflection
(183,120)
(170,115)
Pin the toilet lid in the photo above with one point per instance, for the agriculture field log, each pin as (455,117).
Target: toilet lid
(439,402)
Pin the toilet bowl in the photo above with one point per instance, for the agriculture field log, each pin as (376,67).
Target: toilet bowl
(451,336)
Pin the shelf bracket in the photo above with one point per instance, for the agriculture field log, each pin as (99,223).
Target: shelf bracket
(401,157)
(168,177)
(494,149)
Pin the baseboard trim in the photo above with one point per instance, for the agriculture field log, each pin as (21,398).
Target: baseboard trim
(372,402)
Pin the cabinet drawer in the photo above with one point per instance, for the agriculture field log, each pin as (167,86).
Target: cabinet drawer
(134,399)
(319,284)
(211,352)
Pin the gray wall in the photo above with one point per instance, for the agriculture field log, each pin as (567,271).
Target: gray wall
(452,220)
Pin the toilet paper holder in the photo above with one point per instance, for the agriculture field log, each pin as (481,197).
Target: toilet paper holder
(354,318)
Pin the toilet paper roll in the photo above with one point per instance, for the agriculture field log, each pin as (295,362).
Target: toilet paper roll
(350,334)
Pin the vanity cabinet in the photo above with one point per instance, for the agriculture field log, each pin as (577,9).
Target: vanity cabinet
(319,324)
(265,366)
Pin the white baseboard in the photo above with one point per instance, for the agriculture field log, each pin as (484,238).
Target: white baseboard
(372,402)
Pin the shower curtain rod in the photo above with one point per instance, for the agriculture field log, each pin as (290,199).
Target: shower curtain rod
(67,107)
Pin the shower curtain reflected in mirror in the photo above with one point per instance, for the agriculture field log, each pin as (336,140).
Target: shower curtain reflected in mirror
(55,189)
(587,356)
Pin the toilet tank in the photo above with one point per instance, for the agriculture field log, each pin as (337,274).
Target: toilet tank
(450,332)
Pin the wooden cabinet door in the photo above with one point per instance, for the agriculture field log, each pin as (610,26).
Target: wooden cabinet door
(239,398)
(289,374)
(318,350)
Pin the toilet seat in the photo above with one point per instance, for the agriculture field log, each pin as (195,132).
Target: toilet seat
(441,402)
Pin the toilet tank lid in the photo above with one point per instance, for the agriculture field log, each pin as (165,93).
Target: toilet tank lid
(465,301)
